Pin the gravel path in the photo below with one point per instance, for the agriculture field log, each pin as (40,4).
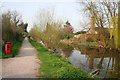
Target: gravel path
(24,65)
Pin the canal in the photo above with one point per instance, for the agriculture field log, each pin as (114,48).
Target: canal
(105,62)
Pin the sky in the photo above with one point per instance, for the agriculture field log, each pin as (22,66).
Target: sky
(29,10)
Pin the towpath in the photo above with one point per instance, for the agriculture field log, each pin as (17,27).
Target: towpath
(24,65)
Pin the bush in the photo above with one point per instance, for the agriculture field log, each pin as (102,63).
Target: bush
(12,28)
(68,36)
(108,43)
(90,40)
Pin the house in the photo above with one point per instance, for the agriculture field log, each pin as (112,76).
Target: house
(95,33)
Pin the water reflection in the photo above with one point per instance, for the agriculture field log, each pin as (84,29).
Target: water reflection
(107,62)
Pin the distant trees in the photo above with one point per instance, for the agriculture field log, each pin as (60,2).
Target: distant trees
(11,28)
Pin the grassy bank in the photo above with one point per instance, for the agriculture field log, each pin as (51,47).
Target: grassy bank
(15,46)
(56,66)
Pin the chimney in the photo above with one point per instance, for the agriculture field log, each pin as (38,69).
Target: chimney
(92,23)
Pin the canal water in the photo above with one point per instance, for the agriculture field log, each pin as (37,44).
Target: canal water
(105,62)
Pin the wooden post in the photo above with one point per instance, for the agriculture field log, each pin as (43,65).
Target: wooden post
(91,62)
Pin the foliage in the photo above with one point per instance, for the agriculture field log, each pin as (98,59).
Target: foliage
(108,43)
(90,40)
(68,36)
(77,33)
(49,30)
(67,23)
(56,66)
(64,46)
(15,46)
(10,29)
(24,26)
(114,31)
(68,28)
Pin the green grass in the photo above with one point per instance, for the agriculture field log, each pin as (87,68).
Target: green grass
(15,46)
(56,66)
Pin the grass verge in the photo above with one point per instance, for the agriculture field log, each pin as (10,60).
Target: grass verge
(15,46)
(56,66)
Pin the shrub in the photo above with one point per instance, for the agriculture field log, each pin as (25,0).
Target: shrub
(12,28)
(68,36)
(90,40)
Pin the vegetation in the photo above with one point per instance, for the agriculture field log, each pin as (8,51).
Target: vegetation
(13,30)
(106,14)
(90,40)
(68,28)
(102,12)
(12,26)
(114,31)
(49,30)
(68,36)
(56,66)
(15,46)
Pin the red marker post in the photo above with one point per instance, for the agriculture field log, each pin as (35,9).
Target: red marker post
(7,47)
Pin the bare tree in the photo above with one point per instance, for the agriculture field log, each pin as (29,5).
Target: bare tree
(101,11)
(16,18)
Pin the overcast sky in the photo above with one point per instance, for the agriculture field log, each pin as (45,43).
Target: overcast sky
(29,10)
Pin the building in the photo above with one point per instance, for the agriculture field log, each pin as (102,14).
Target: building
(95,33)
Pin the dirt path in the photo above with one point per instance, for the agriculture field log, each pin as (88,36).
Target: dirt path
(24,65)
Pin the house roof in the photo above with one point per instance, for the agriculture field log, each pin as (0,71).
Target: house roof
(106,30)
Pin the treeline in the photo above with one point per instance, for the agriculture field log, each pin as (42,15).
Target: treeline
(13,28)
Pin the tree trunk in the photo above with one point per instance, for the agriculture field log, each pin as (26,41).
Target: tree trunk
(119,25)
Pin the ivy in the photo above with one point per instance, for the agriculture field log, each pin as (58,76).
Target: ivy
(113,28)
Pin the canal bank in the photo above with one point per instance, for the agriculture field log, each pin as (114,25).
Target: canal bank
(56,66)
(104,62)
